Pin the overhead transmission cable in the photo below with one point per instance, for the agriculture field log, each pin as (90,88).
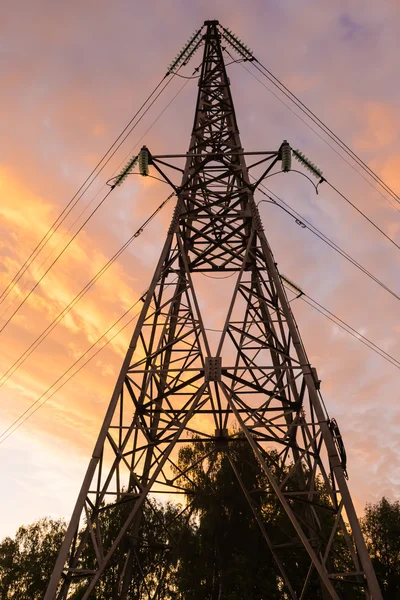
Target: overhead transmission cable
(351,330)
(247,55)
(328,314)
(363,214)
(81,191)
(180,60)
(20,420)
(177,63)
(316,172)
(312,116)
(299,293)
(123,161)
(77,200)
(57,258)
(36,273)
(25,355)
(303,222)
(368,181)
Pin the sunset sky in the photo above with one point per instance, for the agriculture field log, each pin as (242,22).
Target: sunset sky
(73,75)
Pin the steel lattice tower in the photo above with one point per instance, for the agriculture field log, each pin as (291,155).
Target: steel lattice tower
(173,385)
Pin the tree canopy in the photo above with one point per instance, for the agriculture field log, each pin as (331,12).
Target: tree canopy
(212,547)
(26,562)
(381,526)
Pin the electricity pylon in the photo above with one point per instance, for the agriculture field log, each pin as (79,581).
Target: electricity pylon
(255,385)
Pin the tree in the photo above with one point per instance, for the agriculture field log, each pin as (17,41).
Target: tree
(27,561)
(224,554)
(150,548)
(212,549)
(381,526)
(9,572)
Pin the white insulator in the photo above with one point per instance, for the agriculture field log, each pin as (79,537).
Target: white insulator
(180,57)
(144,161)
(237,44)
(125,171)
(289,283)
(314,170)
(286,153)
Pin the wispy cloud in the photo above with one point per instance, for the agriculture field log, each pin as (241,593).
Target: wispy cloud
(71,81)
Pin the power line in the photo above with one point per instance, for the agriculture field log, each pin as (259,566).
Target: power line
(349,152)
(82,190)
(6,433)
(316,306)
(319,136)
(9,431)
(327,131)
(324,238)
(123,161)
(345,326)
(350,330)
(55,261)
(36,343)
(362,214)
(98,206)
(23,357)
(36,273)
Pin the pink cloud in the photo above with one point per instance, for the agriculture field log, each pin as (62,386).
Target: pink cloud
(73,79)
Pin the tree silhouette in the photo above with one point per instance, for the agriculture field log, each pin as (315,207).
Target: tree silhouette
(381,526)
(212,547)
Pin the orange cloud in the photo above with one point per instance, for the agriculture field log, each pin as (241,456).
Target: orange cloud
(379,130)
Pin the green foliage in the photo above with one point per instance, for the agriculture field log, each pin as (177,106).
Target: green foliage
(214,550)
(27,561)
(381,526)
(225,547)
(149,543)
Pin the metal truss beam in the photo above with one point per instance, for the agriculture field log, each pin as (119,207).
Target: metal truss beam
(254,386)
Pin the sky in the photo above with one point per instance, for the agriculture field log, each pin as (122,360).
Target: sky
(73,75)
